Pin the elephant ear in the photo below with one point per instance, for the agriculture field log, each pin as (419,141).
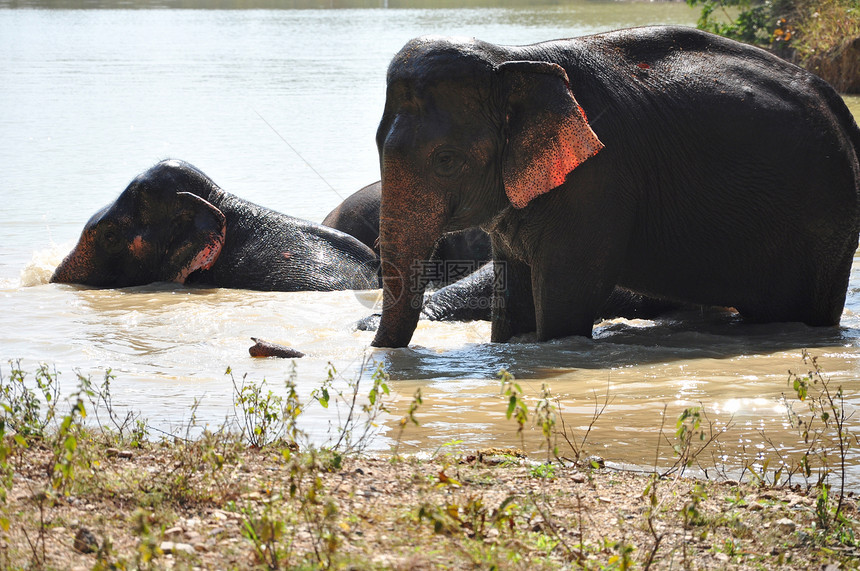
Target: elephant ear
(198,231)
(547,133)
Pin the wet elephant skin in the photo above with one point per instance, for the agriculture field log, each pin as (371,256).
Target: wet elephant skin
(664,160)
(455,255)
(174,224)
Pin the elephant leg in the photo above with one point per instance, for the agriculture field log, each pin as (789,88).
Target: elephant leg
(562,311)
(814,295)
(572,281)
(513,310)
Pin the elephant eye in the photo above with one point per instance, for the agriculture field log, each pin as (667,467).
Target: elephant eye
(447,163)
(111,241)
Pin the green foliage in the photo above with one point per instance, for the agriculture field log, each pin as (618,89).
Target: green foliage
(265,533)
(65,440)
(793,29)
(272,529)
(148,550)
(622,557)
(694,433)
(823,428)
(517,407)
(545,418)
(128,429)
(543,471)
(409,417)
(299,518)
(468,513)
(356,416)
(263,413)
(23,405)
(691,510)
(743,20)
(688,428)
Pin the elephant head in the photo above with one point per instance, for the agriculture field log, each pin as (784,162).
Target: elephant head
(159,229)
(466,133)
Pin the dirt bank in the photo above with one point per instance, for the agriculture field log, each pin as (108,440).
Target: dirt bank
(214,505)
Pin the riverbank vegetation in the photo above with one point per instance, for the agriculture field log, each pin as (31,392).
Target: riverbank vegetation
(85,485)
(821,35)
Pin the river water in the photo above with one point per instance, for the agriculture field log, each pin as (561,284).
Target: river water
(280,107)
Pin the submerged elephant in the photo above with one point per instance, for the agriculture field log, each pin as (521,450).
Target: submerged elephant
(471,299)
(456,254)
(358,215)
(174,224)
(710,172)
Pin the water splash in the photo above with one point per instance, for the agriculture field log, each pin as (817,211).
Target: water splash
(41,266)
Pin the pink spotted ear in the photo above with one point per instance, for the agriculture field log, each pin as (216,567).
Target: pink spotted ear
(548,135)
(199,231)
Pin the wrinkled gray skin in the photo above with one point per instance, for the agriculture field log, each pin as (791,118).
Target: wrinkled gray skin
(462,298)
(358,215)
(455,255)
(470,299)
(174,224)
(715,174)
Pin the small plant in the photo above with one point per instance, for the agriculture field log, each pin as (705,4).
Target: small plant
(651,514)
(543,471)
(517,407)
(408,418)
(623,555)
(469,514)
(689,429)
(23,411)
(823,428)
(262,411)
(356,420)
(578,445)
(130,429)
(312,508)
(692,515)
(265,533)
(447,450)
(23,406)
(545,418)
(65,441)
(148,549)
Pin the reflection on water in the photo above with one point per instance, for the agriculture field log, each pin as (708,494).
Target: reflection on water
(101,95)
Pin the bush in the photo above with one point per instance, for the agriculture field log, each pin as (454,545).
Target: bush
(821,35)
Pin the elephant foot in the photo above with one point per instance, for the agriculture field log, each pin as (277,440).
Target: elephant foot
(263,348)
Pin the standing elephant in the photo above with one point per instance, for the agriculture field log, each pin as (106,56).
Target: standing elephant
(665,160)
(455,255)
(174,224)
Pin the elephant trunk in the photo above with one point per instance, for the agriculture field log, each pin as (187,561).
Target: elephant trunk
(76,266)
(411,221)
